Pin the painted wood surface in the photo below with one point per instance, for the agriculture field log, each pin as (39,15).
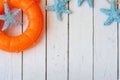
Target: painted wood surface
(78,48)
(105,45)
(57,43)
(80,42)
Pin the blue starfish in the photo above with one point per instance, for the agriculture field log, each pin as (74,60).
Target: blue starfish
(8,17)
(113,13)
(89,2)
(59,8)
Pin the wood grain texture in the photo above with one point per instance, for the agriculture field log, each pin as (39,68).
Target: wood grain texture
(105,49)
(56,46)
(118,49)
(80,49)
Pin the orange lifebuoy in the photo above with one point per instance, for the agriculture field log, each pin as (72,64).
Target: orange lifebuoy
(1,4)
(38,1)
(34,30)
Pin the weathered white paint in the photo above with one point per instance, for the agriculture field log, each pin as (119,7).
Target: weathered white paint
(105,49)
(81,30)
(82,50)
(56,46)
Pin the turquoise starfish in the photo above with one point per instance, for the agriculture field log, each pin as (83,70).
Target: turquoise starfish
(59,8)
(113,13)
(89,2)
(8,17)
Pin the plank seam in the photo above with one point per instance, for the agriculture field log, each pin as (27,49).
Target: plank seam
(68,60)
(22,53)
(117,48)
(46,41)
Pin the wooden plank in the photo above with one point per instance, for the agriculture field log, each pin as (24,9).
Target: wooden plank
(118,50)
(10,64)
(80,50)
(105,48)
(34,59)
(56,46)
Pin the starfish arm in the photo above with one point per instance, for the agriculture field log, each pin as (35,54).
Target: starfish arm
(5,26)
(118,11)
(64,2)
(109,21)
(16,22)
(15,13)
(80,2)
(59,8)
(59,16)
(113,6)
(2,17)
(106,11)
(90,3)
(117,19)
(51,8)
(6,8)
(66,11)
(8,18)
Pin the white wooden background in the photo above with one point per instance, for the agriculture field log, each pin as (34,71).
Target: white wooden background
(78,48)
